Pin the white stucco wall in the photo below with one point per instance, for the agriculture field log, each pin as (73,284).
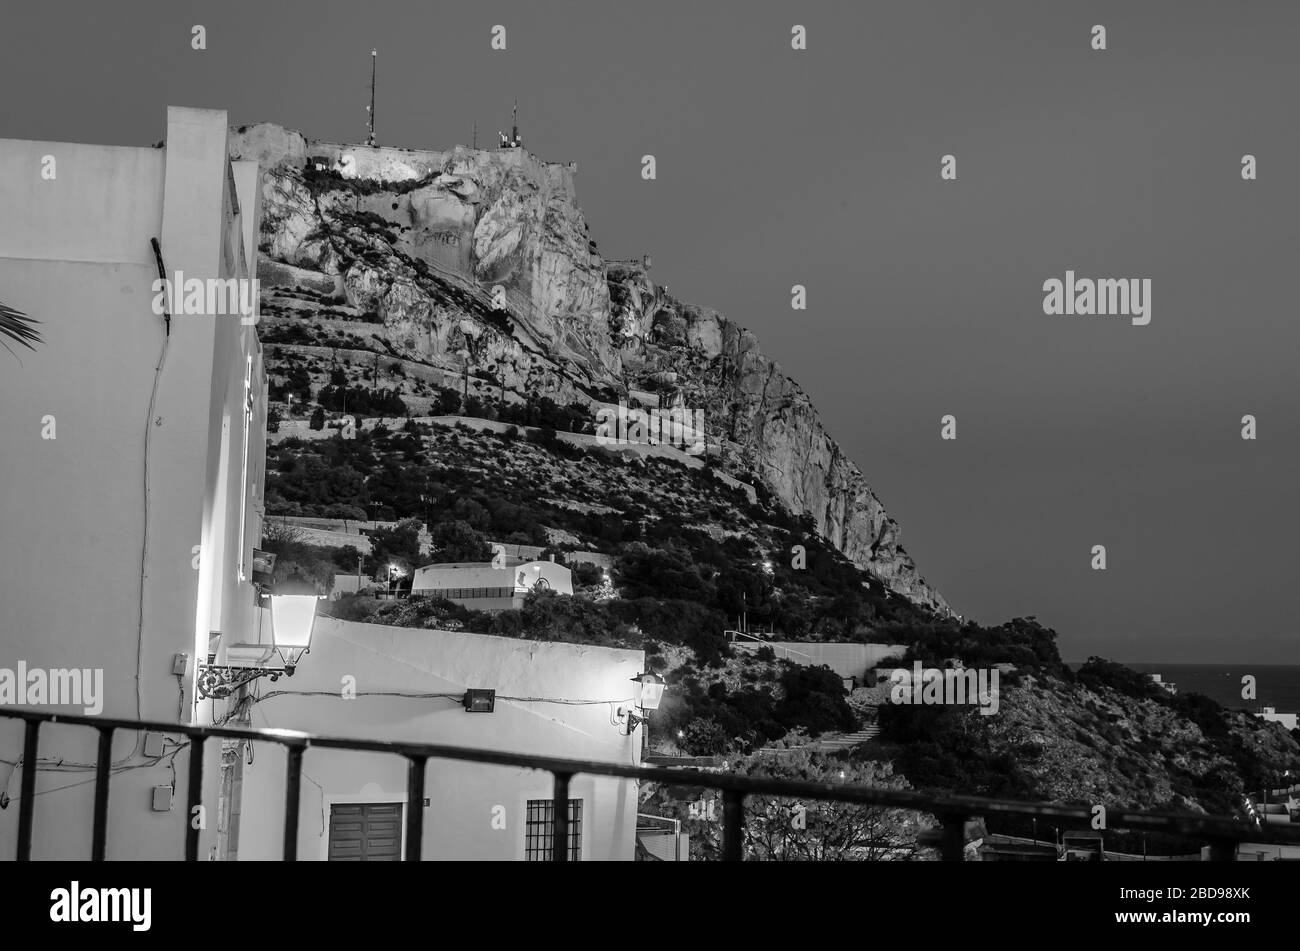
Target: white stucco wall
(522,576)
(847,660)
(75,254)
(458,821)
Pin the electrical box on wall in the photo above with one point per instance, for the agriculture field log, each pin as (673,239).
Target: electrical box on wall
(153,745)
(179,663)
(162,799)
(478,700)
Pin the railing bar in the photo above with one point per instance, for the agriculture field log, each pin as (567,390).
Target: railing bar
(195,817)
(733,825)
(1185,823)
(27,792)
(415,807)
(953,837)
(560,828)
(103,772)
(292,793)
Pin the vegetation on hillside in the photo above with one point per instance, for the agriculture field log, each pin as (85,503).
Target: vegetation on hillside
(691,554)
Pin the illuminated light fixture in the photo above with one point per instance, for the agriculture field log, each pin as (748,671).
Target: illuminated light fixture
(479,700)
(293,618)
(648,691)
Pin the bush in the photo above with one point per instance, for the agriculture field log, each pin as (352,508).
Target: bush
(703,737)
(317,419)
(586,574)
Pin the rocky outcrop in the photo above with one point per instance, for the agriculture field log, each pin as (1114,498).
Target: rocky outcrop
(482,259)
(764,422)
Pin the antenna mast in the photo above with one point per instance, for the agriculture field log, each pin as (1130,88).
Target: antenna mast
(374,56)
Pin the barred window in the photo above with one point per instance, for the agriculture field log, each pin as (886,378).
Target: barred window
(540,828)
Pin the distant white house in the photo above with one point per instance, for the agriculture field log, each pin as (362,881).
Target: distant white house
(1159,681)
(1270,715)
(483,587)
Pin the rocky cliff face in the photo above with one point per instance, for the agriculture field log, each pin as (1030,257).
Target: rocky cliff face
(479,263)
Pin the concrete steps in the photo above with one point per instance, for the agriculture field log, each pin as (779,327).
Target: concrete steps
(833,742)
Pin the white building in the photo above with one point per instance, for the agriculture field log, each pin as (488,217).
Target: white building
(483,587)
(1270,715)
(132,461)
(552,699)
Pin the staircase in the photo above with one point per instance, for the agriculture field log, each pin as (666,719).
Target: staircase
(838,742)
(831,742)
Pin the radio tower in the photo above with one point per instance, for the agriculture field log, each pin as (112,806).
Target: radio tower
(374,56)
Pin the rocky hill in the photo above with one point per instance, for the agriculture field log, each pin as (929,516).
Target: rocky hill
(474,270)
(462,288)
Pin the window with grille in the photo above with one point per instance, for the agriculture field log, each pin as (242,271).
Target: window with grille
(540,827)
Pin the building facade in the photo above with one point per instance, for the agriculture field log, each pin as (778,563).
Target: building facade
(377,682)
(133,460)
(485,587)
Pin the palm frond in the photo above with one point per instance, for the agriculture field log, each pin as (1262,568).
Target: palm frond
(17,326)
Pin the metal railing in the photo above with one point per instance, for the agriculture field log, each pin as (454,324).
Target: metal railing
(952,812)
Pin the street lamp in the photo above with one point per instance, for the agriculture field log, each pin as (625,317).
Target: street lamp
(647,692)
(293,617)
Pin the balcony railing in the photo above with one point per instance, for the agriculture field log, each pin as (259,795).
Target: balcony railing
(952,812)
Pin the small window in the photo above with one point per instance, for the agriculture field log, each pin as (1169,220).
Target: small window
(540,827)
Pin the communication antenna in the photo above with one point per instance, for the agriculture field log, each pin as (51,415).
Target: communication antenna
(374,57)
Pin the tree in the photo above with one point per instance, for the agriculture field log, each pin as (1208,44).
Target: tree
(18,327)
(456,540)
(793,830)
(318,419)
(704,737)
(397,545)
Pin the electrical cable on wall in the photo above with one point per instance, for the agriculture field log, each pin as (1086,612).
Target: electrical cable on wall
(431,696)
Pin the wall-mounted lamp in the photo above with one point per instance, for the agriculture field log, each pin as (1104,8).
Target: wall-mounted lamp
(647,692)
(293,617)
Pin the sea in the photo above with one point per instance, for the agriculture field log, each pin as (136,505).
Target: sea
(1276,686)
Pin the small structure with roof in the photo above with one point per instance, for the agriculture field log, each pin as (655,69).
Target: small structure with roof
(490,586)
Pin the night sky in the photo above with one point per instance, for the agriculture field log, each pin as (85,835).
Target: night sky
(821,167)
